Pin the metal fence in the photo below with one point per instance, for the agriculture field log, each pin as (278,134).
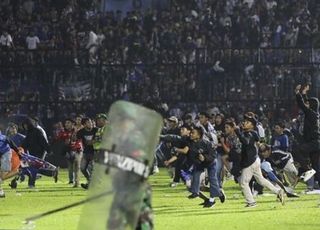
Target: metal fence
(211,75)
(64,57)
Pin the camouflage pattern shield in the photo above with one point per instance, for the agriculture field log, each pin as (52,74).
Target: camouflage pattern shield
(124,161)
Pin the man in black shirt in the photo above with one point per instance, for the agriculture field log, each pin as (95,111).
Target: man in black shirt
(35,142)
(280,160)
(86,134)
(173,126)
(250,162)
(203,156)
(181,147)
(37,145)
(310,148)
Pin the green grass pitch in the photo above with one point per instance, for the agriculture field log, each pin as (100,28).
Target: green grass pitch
(172,209)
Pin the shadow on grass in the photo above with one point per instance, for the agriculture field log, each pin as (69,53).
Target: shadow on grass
(193,210)
(169,190)
(51,190)
(202,211)
(58,195)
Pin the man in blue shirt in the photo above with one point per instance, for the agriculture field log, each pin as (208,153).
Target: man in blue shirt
(12,133)
(280,140)
(5,159)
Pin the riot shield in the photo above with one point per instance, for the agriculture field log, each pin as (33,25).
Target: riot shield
(123,165)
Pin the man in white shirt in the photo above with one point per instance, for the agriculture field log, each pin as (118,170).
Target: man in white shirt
(92,46)
(6,40)
(32,41)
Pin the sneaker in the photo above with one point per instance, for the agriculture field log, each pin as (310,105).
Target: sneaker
(288,190)
(70,182)
(209,204)
(156,169)
(292,195)
(173,184)
(280,196)
(13,184)
(251,205)
(193,195)
(2,194)
(204,202)
(85,186)
(55,175)
(222,197)
(308,174)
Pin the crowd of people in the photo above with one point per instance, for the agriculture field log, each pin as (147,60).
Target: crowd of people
(59,58)
(204,149)
(221,73)
(143,34)
(189,51)
(77,140)
(66,32)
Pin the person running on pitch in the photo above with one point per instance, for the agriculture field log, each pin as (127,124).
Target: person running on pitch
(250,162)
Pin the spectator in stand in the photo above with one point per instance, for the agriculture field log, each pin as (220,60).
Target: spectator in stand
(158,36)
(32,42)
(6,41)
(92,47)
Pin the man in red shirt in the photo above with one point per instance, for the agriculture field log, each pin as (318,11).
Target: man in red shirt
(73,151)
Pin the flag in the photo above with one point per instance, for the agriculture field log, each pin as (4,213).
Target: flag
(77,91)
